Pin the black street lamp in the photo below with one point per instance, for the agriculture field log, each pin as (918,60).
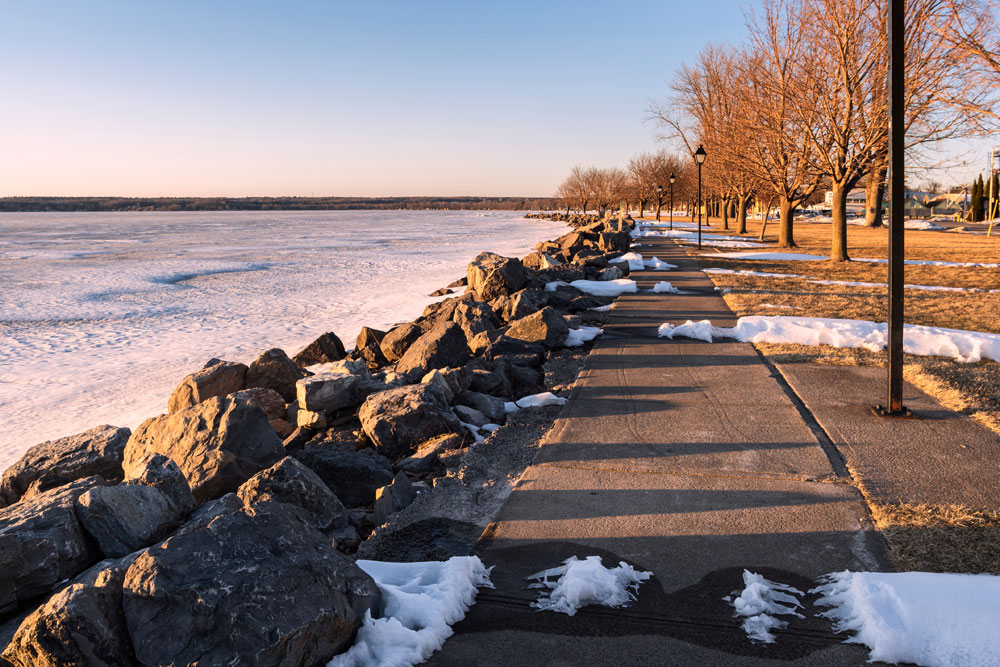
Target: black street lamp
(699,159)
(659,201)
(672,201)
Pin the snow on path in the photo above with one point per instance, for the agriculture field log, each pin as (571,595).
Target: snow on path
(580,583)
(963,346)
(760,602)
(936,620)
(846,283)
(420,603)
(804,257)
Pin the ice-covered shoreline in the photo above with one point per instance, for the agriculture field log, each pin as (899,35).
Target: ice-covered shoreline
(102,313)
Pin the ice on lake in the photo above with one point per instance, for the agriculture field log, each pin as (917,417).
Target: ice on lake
(102,314)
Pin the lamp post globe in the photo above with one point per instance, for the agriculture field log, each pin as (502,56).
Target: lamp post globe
(699,159)
(672,179)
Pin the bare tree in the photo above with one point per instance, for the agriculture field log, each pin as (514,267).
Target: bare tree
(642,183)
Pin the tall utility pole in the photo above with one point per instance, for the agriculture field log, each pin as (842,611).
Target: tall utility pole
(897,53)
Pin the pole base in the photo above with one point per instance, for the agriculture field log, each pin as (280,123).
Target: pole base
(903,413)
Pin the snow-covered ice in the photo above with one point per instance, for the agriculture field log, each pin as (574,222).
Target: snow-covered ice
(963,346)
(102,314)
(664,287)
(577,337)
(936,620)
(579,583)
(420,603)
(604,287)
(760,602)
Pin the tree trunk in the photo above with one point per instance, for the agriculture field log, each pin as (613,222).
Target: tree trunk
(642,207)
(725,214)
(741,215)
(786,236)
(838,241)
(659,203)
(874,196)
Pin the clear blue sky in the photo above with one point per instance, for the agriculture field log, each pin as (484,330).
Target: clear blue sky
(333,98)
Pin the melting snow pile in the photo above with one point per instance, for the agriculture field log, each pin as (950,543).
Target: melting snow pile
(420,603)
(542,400)
(963,346)
(760,601)
(658,264)
(604,287)
(635,261)
(583,582)
(664,287)
(938,620)
(580,336)
(921,224)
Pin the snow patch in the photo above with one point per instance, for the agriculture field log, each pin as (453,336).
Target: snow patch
(760,601)
(664,287)
(658,264)
(577,337)
(604,287)
(420,603)
(542,400)
(583,582)
(635,261)
(776,256)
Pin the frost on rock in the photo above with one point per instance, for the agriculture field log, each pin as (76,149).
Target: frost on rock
(577,337)
(420,603)
(582,582)
(936,620)
(760,601)
(664,287)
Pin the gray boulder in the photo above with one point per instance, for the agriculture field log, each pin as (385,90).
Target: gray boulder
(471,415)
(126,518)
(43,543)
(520,304)
(398,340)
(289,481)
(428,457)
(368,347)
(494,381)
(393,497)
(611,273)
(491,275)
(323,350)
(327,392)
(491,406)
(435,377)
(161,473)
(217,378)
(54,463)
(443,346)
(398,420)
(83,624)
(217,444)
(515,350)
(268,400)
(353,476)
(540,260)
(274,370)
(260,586)
(475,317)
(546,327)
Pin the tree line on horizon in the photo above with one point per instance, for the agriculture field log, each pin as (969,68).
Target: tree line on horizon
(802,103)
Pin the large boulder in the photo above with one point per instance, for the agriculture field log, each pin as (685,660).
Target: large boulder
(274,370)
(327,392)
(398,340)
(490,406)
(260,586)
(398,420)
(491,275)
(515,351)
(445,345)
(53,463)
(323,350)
(613,242)
(83,624)
(217,444)
(540,260)
(127,517)
(217,378)
(475,317)
(368,347)
(546,326)
(353,476)
(161,473)
(268,400)
(43,543)
(289,481)
(520,304)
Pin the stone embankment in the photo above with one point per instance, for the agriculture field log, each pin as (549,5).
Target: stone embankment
(224,531)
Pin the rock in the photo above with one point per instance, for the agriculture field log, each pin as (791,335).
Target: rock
(517,351)
(573,321)
(443,346)
(494,381)
(622,265)
(217,378)
(308,419)
(281,427)
(208,512)
(323,350)
(289,481)
(491,406)
(127,517)
(43,543)
(83,624)
(539,260)
(218,444)
(436,378)
(393,497)
(346,540)
(471,415)
(458,379)
(397,420)
(159,472)
(461,282)
(611,273)
(260,586)
(427,458)
(274,370)
(327,392)
(345,436)
(356,367)
(299,437)
(353,476)
(589,257)
(54,463)
(475,317)
(268,400)
(521,304)
(546,327)
(368,347)
(442,292)
(398,340)
(613,241)
(491,276)
(525,381)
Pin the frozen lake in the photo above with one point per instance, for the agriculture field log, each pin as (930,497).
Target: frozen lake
(102,314)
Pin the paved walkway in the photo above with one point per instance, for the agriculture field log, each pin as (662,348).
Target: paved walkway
(692,460)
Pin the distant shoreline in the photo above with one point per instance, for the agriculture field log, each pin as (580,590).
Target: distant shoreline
(126,204)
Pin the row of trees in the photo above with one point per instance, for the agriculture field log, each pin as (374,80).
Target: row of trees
(803,102)
(980,204)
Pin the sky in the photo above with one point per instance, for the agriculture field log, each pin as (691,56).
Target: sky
(244,98)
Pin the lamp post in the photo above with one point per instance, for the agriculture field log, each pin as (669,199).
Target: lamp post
(699,159)
(659,200)
(671,201)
